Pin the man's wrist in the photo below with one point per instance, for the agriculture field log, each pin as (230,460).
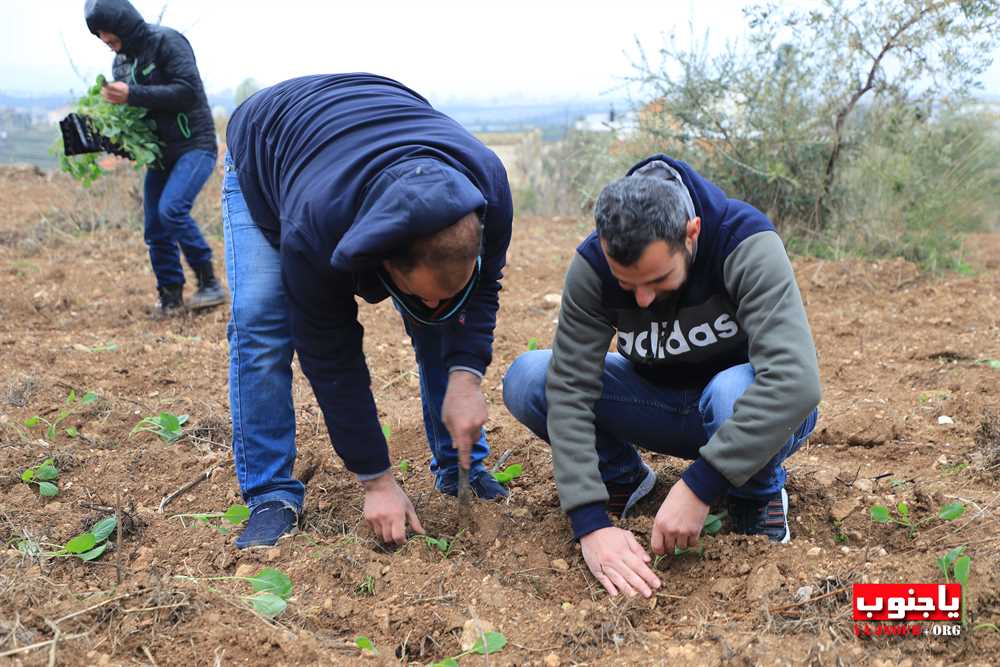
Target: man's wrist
(465,374)
(375,480)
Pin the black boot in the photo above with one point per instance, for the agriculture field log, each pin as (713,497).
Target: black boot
(210,292)
(171,300)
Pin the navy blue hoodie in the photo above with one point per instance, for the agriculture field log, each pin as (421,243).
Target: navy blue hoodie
(338,171)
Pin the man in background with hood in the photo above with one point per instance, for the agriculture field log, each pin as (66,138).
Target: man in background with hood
(348,185)
(715,363)
(155,69)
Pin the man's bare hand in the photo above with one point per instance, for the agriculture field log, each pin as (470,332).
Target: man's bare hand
(679,520)
(464,413)
(115,92)
(387,509)
(619,562)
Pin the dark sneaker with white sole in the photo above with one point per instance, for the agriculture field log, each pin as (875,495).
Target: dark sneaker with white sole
(484,486)
(761,516)
(268,523)
(622,497)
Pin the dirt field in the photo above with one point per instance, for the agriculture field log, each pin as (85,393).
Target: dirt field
(898,351)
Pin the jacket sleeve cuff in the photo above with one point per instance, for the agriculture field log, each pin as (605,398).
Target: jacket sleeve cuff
(467,369)
(466,361)
(705,481)
(585,519)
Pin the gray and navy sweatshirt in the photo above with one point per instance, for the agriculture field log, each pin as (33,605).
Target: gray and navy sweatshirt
(740,303)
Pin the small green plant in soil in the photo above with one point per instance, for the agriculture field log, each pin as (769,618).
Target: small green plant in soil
(404,467)
(73,403)
(532,344)
(125,126)
(440,543)
(366,645)
(956,565)
(272,589)
(902,517)
(232,517)
(488,644)
(712,526)
(509,473)
(166,425)
(386,431)
(42,476)
(90,544)
(367,586)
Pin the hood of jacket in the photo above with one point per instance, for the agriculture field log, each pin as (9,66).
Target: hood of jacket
(118,17)
(411,199)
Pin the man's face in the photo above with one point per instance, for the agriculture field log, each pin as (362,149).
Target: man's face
(660,271)
(111,39)
(423,282)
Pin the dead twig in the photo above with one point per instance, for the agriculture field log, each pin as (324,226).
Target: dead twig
(202,476)
(93,607)
(149,656)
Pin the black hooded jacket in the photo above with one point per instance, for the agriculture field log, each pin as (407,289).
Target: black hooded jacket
(159,67)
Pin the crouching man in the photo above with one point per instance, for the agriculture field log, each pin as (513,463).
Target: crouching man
(715,363)
(339,186)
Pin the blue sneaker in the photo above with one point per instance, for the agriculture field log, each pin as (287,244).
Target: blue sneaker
(761,516)
(268,523)
(484,486)
(622,497)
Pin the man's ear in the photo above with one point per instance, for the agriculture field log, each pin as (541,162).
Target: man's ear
(693,231)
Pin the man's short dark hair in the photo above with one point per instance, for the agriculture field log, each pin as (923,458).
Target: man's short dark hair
(457,245)
(635,211)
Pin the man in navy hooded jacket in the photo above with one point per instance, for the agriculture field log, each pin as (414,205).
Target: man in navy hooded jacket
(339,186)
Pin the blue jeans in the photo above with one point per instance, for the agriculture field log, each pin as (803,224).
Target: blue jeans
(633,411)
(260,371)
(167,200)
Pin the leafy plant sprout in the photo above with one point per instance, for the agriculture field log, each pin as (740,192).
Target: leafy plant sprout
(488,644)
(955,564)
(166,425)
(73,403)
(272,589)
(367,586)
(42,476)
(882,514)
(235,515)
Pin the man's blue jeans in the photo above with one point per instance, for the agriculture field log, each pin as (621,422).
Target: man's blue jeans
(260,371)
(168,196)
(633,411)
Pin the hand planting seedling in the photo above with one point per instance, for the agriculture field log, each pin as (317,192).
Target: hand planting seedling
(366,645)
(712,526)
(89,545)
(125,127)
(882,514)
(42,476)
(73,402)
(508,474)
(167,425)
(234,516)
(488,644)
(958,566)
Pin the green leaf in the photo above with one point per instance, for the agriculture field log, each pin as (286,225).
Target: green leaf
(267,604)
(532,344)
(72,432)
(236,514)
(950,557)
(270,580)
(447,662)
(50,432)
(88,398)
(951,511)
(46,471)
(365,644)
(880,513)
(81,543)
(903,509)
(48,489)
(169,421)
(32,421)
(94,553)
(103,528)
(404,467)
(495,641)
(28,475)
(963,566)
(386,431)
(72,396)
(713,524)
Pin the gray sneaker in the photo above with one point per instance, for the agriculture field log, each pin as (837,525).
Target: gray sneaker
(210,293)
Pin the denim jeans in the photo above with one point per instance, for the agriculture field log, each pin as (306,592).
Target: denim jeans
(633,411)
(167,200)
(260,371)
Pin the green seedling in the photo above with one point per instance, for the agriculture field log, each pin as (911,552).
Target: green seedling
(166,425)
(882,514)
(42,476)
(488,644)
(712,526)
(272,589)
(946,562)
(509,473)
(992,363)
(366,645)
(532,344)
(73,403)
(234,516)
(404,467)
(127,127)
(440,543)
(367,586)
(386,431)
(955,565)
(89,545)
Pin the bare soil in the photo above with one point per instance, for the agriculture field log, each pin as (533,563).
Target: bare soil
(898,350)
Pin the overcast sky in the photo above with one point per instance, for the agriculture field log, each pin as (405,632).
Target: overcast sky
(442,48)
